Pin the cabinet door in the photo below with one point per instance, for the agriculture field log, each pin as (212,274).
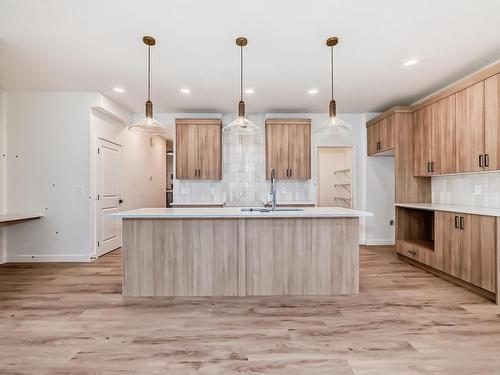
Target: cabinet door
(386,133)
(478,254)
(422,141)
(299,152)
(209,152)
(372,135)
(447,243)
(277,150)
(186,151)
(470,129)
(443,136)
(492,122)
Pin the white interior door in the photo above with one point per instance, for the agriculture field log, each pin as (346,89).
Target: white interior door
(108,190)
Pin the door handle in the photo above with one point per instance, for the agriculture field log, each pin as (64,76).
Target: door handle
(456,222)
(462,222)
(481,160)
(486,160)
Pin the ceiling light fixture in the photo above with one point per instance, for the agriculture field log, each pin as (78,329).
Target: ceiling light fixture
(186,91)
(119,90)
(249,91)
(241,125)
(333,125)
(312,91)
(410,62)
(148,124)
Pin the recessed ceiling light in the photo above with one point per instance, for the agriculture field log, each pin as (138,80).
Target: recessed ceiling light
(119,89)
(312,91)
(249,91)
(186,91)
(410,62)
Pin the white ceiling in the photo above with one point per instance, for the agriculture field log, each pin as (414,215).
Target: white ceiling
(91,45)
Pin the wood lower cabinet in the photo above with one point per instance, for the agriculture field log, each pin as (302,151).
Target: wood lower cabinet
(465,248)
(198,149)
(470,129)
(288,148)
(492,122)
(460,245)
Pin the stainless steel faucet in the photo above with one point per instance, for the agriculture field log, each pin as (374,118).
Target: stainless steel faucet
(273,188)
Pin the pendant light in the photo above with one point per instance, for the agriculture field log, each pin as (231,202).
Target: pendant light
(333,125)
(241,125)
(148,124)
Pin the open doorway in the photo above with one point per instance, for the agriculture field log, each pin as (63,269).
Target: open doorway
(335,184)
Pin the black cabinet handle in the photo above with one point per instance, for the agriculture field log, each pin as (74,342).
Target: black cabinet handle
(462,224)
(120,201)
(486,160)
(413,252)
(291,173)
(432,166)
(428,167)
(456,222)
(481,160)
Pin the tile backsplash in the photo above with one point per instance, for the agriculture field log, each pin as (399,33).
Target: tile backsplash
(243,176)
(477,189)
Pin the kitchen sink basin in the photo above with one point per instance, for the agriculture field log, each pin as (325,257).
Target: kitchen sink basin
(264,209)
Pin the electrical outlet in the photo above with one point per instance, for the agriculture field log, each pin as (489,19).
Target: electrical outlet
(391,222)
(477,190)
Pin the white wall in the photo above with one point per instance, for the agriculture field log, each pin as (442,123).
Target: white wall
(48,167)
(3,170)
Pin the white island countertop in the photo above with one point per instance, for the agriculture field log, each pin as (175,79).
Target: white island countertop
(235,212)
(485,211)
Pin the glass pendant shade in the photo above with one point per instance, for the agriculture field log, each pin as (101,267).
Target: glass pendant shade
(241,125)
(148,124)
(334,125)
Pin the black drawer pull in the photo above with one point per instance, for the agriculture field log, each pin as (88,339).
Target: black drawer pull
(462,222)
(456,222)
(486,160)
(481,160)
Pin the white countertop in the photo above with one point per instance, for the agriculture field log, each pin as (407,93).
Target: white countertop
(216,203)
(6,218)
(235,212)
(452,208)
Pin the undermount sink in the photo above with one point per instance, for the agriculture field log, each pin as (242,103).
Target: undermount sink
(263,209)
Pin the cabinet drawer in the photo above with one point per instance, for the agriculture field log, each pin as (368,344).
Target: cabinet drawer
(421,251)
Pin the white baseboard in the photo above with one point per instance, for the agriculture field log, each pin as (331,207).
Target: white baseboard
(380,242)
(47,258)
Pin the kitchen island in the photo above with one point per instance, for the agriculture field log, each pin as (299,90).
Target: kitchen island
(230,252)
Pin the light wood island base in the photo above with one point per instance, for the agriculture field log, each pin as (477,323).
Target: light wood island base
(240,256)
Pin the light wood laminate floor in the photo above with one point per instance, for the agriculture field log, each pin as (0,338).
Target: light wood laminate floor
(72,319)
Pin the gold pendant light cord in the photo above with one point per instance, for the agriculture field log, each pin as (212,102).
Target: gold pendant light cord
(332,68)
(149,73)
(241,73)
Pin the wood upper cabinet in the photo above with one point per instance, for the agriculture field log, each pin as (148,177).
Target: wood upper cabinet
(198,149)
(443,136)
(288,148)
(492,122)
(470,129)
(422,141)
(465,247)
(381,136)
(387,133)
(372,136)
